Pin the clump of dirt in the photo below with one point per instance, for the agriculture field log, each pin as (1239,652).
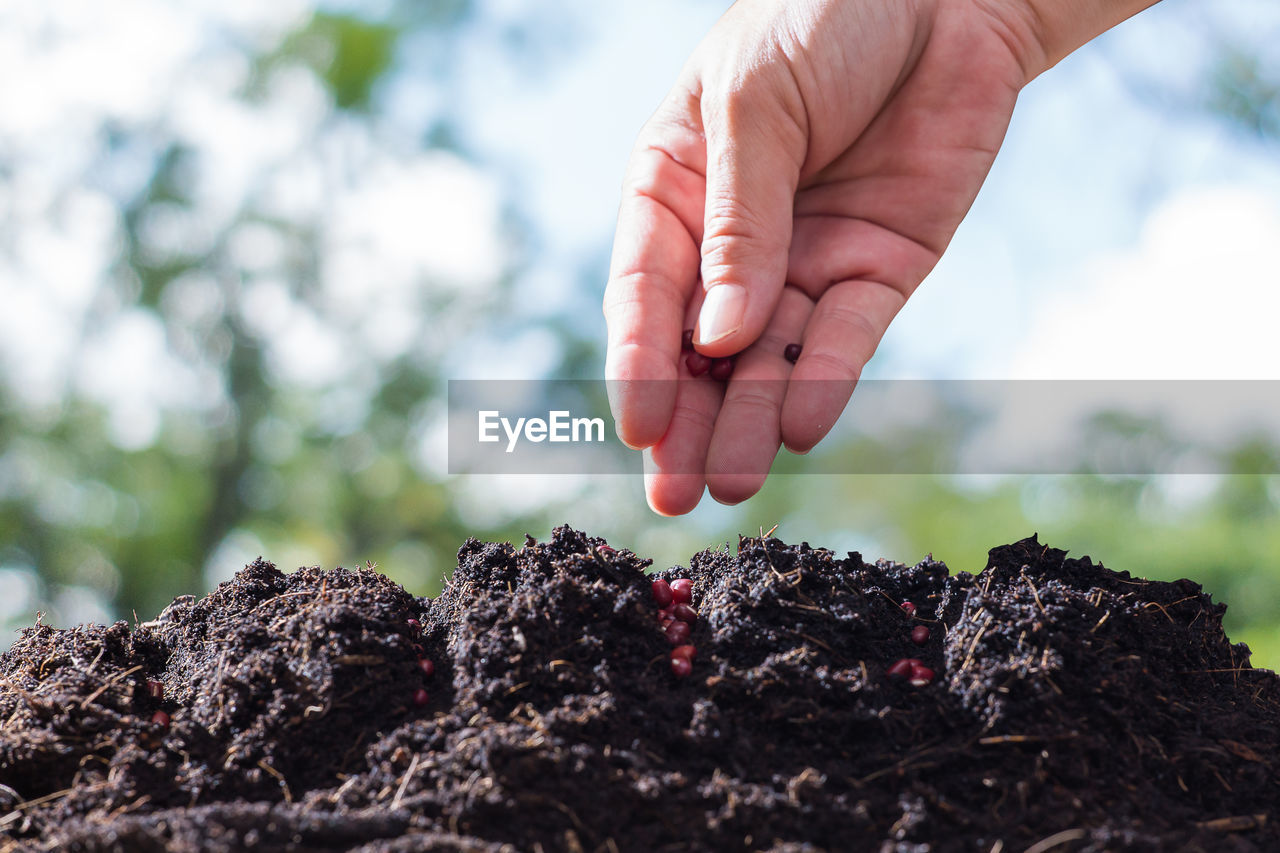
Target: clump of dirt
(1069,708)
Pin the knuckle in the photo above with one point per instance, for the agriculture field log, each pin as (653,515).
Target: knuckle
(773,343)
(758,401)
(734,238)
(840,366)
(728,221)
(628,292)
(853,321)
(693,417)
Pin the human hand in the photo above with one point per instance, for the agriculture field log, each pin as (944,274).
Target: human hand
(809,167)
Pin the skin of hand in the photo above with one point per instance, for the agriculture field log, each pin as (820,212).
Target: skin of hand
(802,177)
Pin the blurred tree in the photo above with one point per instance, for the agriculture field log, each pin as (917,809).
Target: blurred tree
(329,467)
(350,54)
(1218,62)
(1243,90)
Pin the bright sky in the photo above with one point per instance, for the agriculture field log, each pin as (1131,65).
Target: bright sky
(1196,296)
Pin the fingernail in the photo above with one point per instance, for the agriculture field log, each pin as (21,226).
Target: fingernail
(721,313)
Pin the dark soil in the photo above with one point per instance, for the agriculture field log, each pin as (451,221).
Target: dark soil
(1074,708)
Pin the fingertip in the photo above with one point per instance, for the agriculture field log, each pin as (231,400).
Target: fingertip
(638,429)
(723,309)
(733,489)
(670,494)
(811,409)
(738,464)
(641,407)
(670,499)
(801,432)
(799,449)
(636,434)
(732,317)
(628,441)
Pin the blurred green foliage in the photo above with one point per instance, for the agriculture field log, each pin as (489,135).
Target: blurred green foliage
(1244,92)
(350,54)
(275,466)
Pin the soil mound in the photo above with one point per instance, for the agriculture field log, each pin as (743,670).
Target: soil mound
(1044,704)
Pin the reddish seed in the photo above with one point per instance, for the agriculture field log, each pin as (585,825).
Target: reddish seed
(684,613)
(682,590)
(902,668)
(160,718)
(920,635)
(414,624)
(721,369)
(678,633)
(909,608)
(606,550)
(427,666)
(697,363)
(661,593)
(920,675)
(421,697)
(681,666)
(689,652)
(686,340)
(155,689)
(792,353)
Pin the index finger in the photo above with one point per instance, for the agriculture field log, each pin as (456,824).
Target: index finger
(652,277)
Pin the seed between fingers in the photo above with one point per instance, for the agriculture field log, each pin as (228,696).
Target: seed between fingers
(722,369)
(697,363)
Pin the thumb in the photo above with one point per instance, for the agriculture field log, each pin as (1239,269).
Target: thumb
(754,152)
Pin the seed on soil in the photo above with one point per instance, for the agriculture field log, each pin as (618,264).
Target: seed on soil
(421,697)
(427,666)
(908,608)
(684,613)
(681,666)
(160,718)
(721,369)
(662,593)
(686,340)
(792,353)
(902,668)
(920,635)
(697,363)
(678,633)
(682,590)
(920,675)
(685,651)
(155,689)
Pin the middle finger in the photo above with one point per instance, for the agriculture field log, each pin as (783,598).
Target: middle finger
(748,429)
